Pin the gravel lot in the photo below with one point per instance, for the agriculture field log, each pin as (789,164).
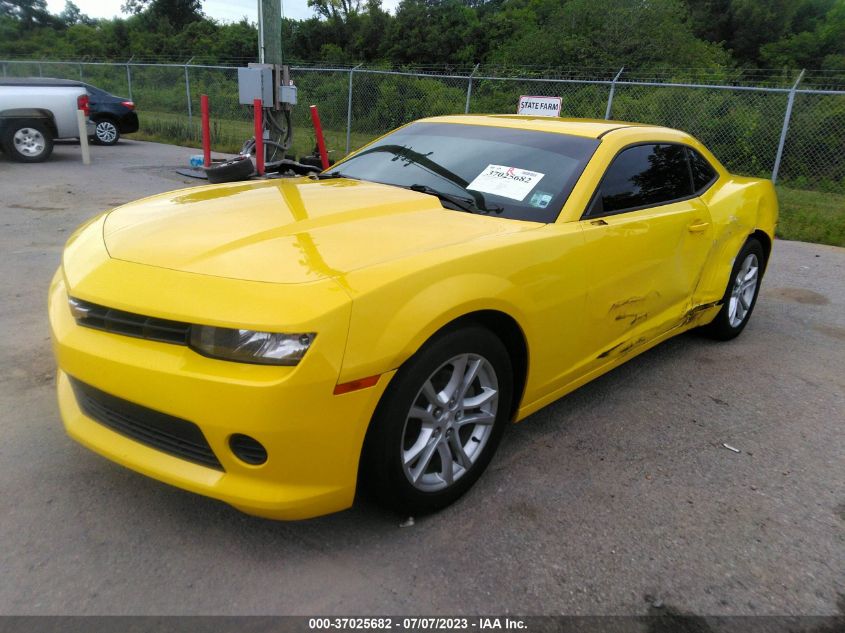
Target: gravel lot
(618,496)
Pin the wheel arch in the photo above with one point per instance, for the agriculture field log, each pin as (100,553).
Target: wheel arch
(765,242)
(502,325)
(7,116)
(507,329)
(104,116)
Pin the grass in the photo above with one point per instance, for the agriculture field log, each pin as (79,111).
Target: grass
(811,216)
(807,216)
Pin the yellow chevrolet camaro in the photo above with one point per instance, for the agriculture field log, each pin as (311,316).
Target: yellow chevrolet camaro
(273,343)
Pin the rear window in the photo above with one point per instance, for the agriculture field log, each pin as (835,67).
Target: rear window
(702,171)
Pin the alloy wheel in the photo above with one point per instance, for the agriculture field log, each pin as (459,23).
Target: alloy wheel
(450,422)
(106,132)
(744,288)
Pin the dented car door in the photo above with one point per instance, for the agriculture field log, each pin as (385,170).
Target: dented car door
(644,260)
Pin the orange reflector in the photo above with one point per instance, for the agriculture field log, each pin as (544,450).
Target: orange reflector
(355,385)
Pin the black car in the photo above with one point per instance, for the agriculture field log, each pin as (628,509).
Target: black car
(112,115)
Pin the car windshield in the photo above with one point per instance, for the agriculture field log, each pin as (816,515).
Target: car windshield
(517,174)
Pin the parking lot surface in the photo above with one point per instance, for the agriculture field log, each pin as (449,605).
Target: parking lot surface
(616,498)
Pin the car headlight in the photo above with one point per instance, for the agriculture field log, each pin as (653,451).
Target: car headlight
(249,346)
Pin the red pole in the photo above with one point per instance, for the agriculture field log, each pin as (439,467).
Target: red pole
(206,132)
(321,142)
(259,137)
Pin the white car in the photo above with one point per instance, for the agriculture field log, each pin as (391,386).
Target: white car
(36,111)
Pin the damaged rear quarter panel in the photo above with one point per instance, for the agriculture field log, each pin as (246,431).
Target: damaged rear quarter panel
(738,206)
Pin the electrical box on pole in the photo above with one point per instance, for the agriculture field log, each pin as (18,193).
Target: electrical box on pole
(255,83)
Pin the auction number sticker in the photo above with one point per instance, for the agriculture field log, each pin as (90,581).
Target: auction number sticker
(508,182)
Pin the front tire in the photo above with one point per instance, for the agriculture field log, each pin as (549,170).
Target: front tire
(106,132)
(27,141)
(741,294)
(438,425)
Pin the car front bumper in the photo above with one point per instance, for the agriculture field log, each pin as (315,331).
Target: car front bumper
(313,438)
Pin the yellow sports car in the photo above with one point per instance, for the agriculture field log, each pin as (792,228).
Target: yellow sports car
(273,343)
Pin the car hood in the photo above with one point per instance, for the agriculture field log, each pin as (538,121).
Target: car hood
(288,230)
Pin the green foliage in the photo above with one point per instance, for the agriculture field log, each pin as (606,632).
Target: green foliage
(28,14)
(775,33)
(601,33)
(713,34)
(176,12)
(437,31)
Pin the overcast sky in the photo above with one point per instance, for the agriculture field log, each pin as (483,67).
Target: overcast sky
(223,10)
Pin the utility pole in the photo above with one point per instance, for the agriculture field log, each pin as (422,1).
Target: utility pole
(270,31)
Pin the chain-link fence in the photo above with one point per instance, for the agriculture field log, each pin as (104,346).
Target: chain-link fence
(792,134)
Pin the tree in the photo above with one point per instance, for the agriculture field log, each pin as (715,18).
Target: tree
(745,27)
(336,10)
(434,32)
(822,46)
(72,15)
(711,19)
(178,12)
(369,34)
(606,33)
(30,13)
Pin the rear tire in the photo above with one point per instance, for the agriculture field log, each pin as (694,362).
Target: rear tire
(106,132)
(27,140)
(439,423)
(741,294)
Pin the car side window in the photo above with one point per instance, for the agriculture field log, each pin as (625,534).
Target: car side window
(643,176)
(702,171)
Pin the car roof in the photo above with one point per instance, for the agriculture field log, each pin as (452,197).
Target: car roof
(588,128)
(39,81)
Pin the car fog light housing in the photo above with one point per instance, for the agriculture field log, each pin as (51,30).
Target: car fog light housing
(250,346)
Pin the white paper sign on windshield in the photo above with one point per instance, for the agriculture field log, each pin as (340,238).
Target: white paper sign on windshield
(508,182)
(539,106)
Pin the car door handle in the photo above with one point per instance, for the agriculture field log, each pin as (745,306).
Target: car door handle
(698,226)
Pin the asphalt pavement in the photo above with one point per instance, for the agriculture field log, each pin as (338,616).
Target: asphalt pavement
(618,497)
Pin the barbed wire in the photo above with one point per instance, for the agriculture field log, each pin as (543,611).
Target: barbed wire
(822,79)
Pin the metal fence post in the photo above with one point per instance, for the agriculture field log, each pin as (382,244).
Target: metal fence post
(610,96)
(40,71)
(790,101)
(129,77)
(469,87)
(188,90)
(80,72)
(349,110)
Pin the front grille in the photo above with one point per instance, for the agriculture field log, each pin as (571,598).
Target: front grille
(129,324)
(163,432)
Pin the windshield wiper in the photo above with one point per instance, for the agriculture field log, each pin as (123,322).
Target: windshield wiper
(464,204)
(333,174)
